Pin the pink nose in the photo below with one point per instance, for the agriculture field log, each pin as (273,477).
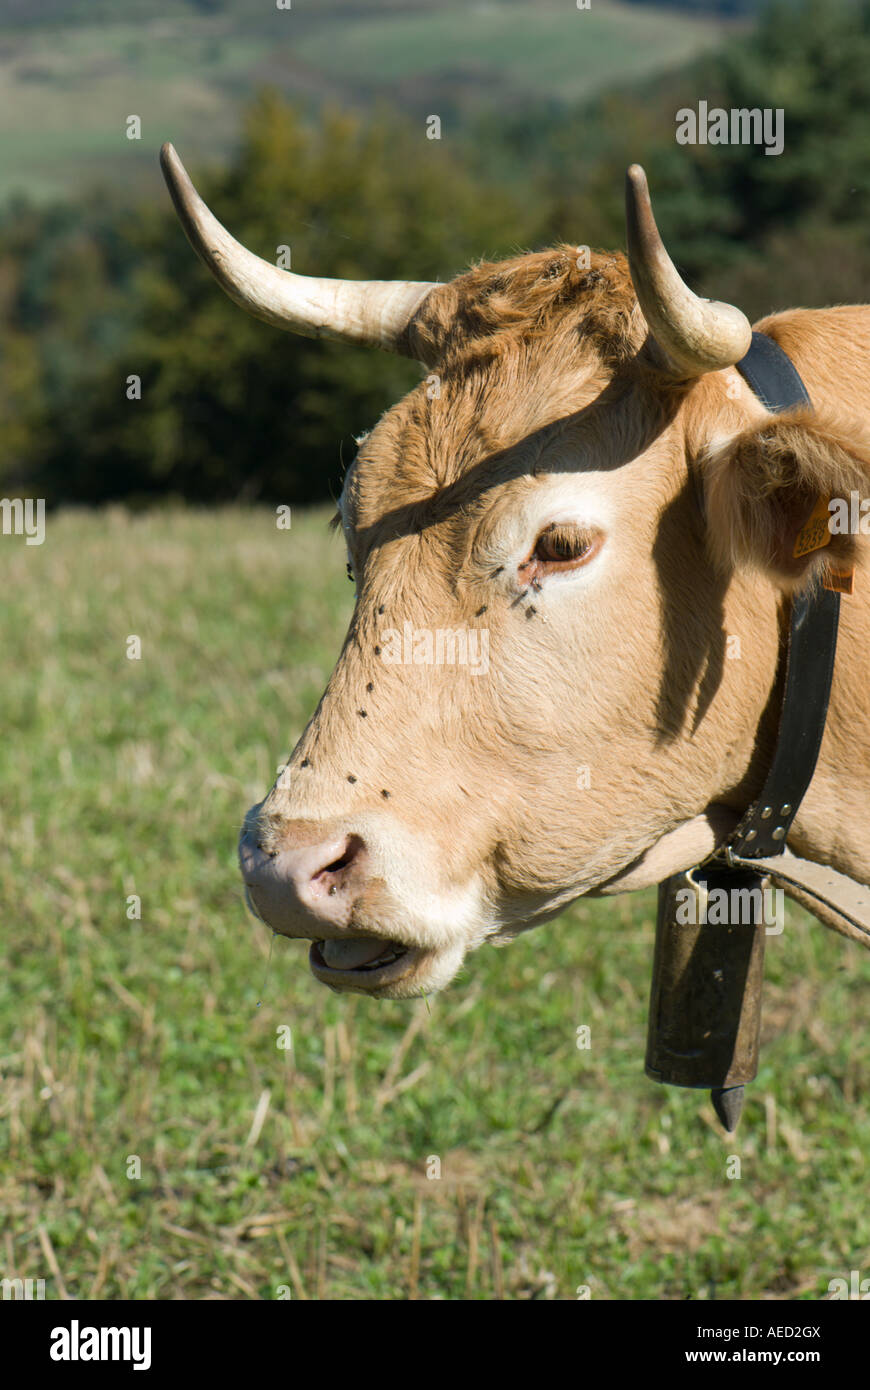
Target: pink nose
(310,885)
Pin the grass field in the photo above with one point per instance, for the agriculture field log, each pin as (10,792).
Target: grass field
(306,1168)
(67,88)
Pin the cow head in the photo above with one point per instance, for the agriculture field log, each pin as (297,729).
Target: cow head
(570,544)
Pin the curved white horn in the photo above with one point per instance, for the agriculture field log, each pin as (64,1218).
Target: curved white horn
(374,312)
(697,335)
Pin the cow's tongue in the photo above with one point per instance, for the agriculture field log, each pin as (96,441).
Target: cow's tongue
(348,955)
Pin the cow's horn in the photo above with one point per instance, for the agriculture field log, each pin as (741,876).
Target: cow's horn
(697,335)
(374,312)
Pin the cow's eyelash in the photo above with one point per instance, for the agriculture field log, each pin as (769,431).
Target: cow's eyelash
(559,547)
(562,543)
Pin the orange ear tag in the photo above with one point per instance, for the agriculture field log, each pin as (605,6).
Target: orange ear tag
(815,533)
(840,581)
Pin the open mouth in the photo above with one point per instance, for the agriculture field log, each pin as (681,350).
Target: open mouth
(365,958)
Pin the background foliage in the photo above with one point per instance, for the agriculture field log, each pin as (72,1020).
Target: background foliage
(98,288)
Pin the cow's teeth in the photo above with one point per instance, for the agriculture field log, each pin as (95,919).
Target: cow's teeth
(381,960)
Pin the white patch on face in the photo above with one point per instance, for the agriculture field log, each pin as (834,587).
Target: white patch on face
(442,969)
(435,916)
(584,500)
(448,921)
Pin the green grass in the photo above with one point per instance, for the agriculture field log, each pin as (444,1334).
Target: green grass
(559,1168)
(66,89)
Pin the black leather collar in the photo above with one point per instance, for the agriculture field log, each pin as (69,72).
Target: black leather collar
(772,375)
(812,647)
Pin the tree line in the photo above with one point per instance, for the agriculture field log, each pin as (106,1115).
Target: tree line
(126,374)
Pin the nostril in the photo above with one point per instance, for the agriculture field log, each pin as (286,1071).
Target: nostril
(352,848)
(312,877)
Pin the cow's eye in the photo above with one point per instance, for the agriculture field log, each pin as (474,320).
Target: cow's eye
(562,543)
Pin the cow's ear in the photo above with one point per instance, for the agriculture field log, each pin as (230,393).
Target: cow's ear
(792,498)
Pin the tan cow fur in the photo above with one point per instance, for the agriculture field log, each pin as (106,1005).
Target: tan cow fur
(469,791)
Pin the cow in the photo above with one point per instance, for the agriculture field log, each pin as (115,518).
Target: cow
(584,503)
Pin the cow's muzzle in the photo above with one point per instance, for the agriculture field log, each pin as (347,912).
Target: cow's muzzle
(307,887)
(311,887)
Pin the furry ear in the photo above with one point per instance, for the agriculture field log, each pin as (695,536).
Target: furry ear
(791,497)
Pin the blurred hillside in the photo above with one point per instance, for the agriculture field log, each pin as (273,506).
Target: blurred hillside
(103,286)
(71,71)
